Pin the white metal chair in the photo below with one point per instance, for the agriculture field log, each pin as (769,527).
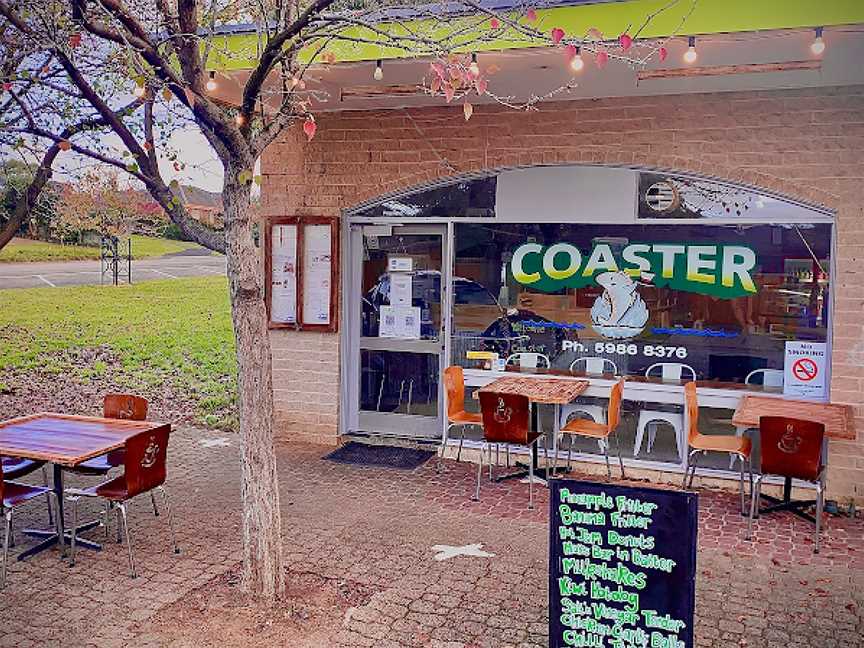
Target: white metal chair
(593,366)
(529,360)
(649,418)
(771,378)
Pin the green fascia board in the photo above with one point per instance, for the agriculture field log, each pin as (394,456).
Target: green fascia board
(239,51)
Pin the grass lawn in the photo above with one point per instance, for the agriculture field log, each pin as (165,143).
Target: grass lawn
(155,336)
(20,249)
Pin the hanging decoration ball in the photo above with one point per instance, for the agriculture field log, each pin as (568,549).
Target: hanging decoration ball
(75,40)
(309,127)
(662,53)
(557,35)
(378,74)
(468,110)
(601,58)
(625,41)
(494,23)
(531,15)
(64,145)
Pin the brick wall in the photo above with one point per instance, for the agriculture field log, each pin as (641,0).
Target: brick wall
(807,144)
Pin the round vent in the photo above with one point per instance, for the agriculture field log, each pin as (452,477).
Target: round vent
(662,197)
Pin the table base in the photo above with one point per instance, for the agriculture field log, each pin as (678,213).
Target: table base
(51,537)
(540,474)
(786,503)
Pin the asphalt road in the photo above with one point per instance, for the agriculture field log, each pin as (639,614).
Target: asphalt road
(78,273)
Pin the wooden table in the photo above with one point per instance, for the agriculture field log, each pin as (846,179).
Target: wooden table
(838,419)
(543,391)
(65,440)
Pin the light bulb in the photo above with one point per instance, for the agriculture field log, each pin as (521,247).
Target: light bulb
(690,55)
(818,45)
(379,71)
(211,82)
(576,63)
(474,68)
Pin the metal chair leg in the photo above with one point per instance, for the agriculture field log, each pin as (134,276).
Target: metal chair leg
(58,527)
(107,518)
(121,506)
(47,498)
(754,505)
(489,470)
(74,501)
(692,462)
(461,441)
(569,449)
(820,495)
(531,478)
(153,501)
(8,530)
(170,519)
(606,456)
(620,460)
(476,497)
(741,485)
(119,523)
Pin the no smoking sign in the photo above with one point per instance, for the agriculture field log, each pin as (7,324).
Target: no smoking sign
(804,370)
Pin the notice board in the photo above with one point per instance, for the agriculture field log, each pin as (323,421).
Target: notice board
(302,271)
(622,566)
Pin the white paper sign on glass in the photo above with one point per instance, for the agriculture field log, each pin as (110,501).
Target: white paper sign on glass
(401,289)
(401,322)
(317,270)
(805,370)
(283,287)
(400,264)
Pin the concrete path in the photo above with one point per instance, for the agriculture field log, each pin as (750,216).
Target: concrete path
(77,273)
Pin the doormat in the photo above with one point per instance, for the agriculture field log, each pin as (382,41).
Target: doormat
(364,454)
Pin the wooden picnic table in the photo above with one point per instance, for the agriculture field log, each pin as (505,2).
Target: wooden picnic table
(838,419)
(65,440)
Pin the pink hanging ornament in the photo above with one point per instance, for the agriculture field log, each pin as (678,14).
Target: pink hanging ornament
(601,58)
(309,127)
(481,85)
(557,35)
(662,53)
(625,41)
(468,110)
(530,15)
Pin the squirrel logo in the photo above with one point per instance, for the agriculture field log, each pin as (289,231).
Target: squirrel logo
(619,312)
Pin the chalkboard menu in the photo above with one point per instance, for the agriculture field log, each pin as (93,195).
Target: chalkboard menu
(622,566)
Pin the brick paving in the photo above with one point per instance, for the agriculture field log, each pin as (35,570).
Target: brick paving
(376,527)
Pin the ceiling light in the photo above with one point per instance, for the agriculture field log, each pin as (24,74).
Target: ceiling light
(379,71)
(211,82)
(690,55)
(818,45)
(576,63)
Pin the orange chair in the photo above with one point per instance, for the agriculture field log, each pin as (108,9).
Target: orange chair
(702,443)
(144,471)
(600,431)
(792,449)
(13,494)
(127,407)
(454,387)
(507,419)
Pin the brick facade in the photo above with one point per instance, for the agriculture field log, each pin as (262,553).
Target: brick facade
(807,144)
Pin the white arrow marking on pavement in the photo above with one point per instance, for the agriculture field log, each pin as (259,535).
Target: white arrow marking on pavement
(220,442)
(447,551)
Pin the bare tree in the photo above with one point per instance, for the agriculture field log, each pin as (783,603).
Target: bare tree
(168,46)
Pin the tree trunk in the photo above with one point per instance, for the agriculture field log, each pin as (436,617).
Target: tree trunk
(262,522)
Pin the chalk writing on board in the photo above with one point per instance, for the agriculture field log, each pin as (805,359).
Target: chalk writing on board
(622,566)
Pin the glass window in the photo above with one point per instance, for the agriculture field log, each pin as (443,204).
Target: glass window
(464,198)
(722,299)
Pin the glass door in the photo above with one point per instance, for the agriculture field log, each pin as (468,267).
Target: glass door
(397,343)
